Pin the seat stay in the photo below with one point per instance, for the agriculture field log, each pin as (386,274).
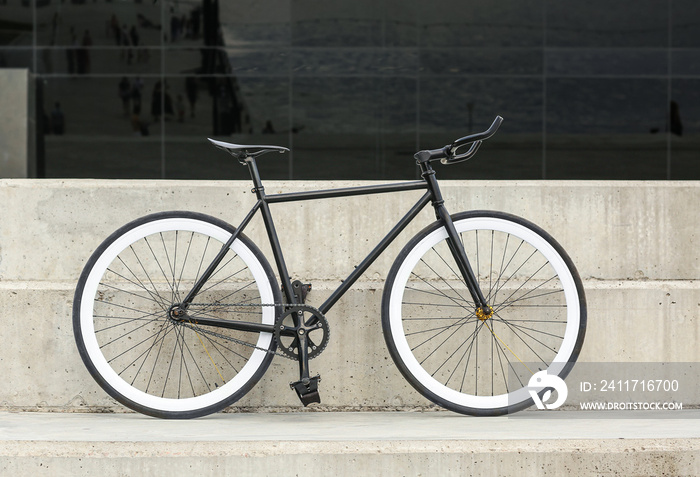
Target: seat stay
(241,151)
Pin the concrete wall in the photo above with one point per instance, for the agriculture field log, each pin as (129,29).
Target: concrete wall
(635,245)
(14,115)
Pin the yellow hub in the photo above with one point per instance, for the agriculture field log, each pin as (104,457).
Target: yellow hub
(484,315)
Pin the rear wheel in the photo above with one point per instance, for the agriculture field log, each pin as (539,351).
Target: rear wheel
(125,328)
(480,361)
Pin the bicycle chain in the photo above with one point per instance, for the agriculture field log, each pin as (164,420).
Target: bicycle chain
(241,342)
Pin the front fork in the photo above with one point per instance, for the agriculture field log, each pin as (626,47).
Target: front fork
(454,242)
(457,249)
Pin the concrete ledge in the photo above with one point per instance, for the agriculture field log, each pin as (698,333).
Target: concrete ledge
(629,321)
(634,243)
(438,443)
(611,230)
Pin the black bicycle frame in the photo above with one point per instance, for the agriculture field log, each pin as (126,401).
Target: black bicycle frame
(432,195)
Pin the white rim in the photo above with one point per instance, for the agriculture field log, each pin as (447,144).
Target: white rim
(92,346)
(397,291)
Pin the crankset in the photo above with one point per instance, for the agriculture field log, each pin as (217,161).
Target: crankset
(298,321)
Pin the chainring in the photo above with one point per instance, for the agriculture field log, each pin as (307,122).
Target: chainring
(311,322)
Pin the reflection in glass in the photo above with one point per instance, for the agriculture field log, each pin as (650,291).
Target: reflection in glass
(684,122)
(463,105)
(606,128)
(602,23)
(482,61)
(506,23)
(685,23)
(606,61)
(586,88)
(606,106)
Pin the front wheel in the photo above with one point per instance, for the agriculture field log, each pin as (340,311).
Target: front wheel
(131,340)
(473,361)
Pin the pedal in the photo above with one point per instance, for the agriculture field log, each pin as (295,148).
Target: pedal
(307,390)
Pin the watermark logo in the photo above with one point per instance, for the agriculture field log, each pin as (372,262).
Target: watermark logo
(541,381)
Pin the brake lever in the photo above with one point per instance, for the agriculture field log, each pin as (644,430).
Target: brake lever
(461,157)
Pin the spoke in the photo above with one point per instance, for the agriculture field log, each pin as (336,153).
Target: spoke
(122,323)
(431,293)
(476,364)
(144,313)
(122,290)
(155,289)
(458,275)
(171,266)
(216,303)
(461,307)
(502,351)
(197,367)
(184,261)
(527,281)
(170,366)
(125,334)
(179,343)
(155,363)
(493,232)
(517,334)
(503,270)
(430,318)
(507,347)
(201,262)
(438,328)
(473,336)
(165,276)
(224,279)
(219,269)
(518,269)
(155,295)
(476,243)
(521,327)
(198,329)
(216,347)
(441,292)
(157,339)
(134,346)
(216,317)
(440,345)
(507,304)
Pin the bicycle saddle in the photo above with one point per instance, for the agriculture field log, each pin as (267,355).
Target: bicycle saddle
(241,151)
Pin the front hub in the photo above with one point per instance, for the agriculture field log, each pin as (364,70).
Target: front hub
(484,313)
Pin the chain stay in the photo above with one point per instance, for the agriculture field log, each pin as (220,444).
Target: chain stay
(235,340)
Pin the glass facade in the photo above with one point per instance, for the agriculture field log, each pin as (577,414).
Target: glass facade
(588,90)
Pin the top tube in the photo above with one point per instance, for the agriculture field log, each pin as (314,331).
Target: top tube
(346,192)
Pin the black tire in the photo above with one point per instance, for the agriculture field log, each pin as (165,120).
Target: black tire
(481,365)
(151,363)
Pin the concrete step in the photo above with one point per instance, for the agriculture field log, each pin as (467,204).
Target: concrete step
(349,444)
(628,322)
(634,243)
(611,230)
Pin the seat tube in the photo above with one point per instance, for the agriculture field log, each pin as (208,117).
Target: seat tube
(259,191)
(453,240)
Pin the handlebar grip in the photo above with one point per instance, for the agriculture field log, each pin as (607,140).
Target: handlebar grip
(479,136)
(447,154)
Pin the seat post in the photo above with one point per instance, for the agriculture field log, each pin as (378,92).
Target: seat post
(258,188)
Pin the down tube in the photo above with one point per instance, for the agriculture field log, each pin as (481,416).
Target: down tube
(374,254)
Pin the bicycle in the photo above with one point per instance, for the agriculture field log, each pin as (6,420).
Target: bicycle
(179,314)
